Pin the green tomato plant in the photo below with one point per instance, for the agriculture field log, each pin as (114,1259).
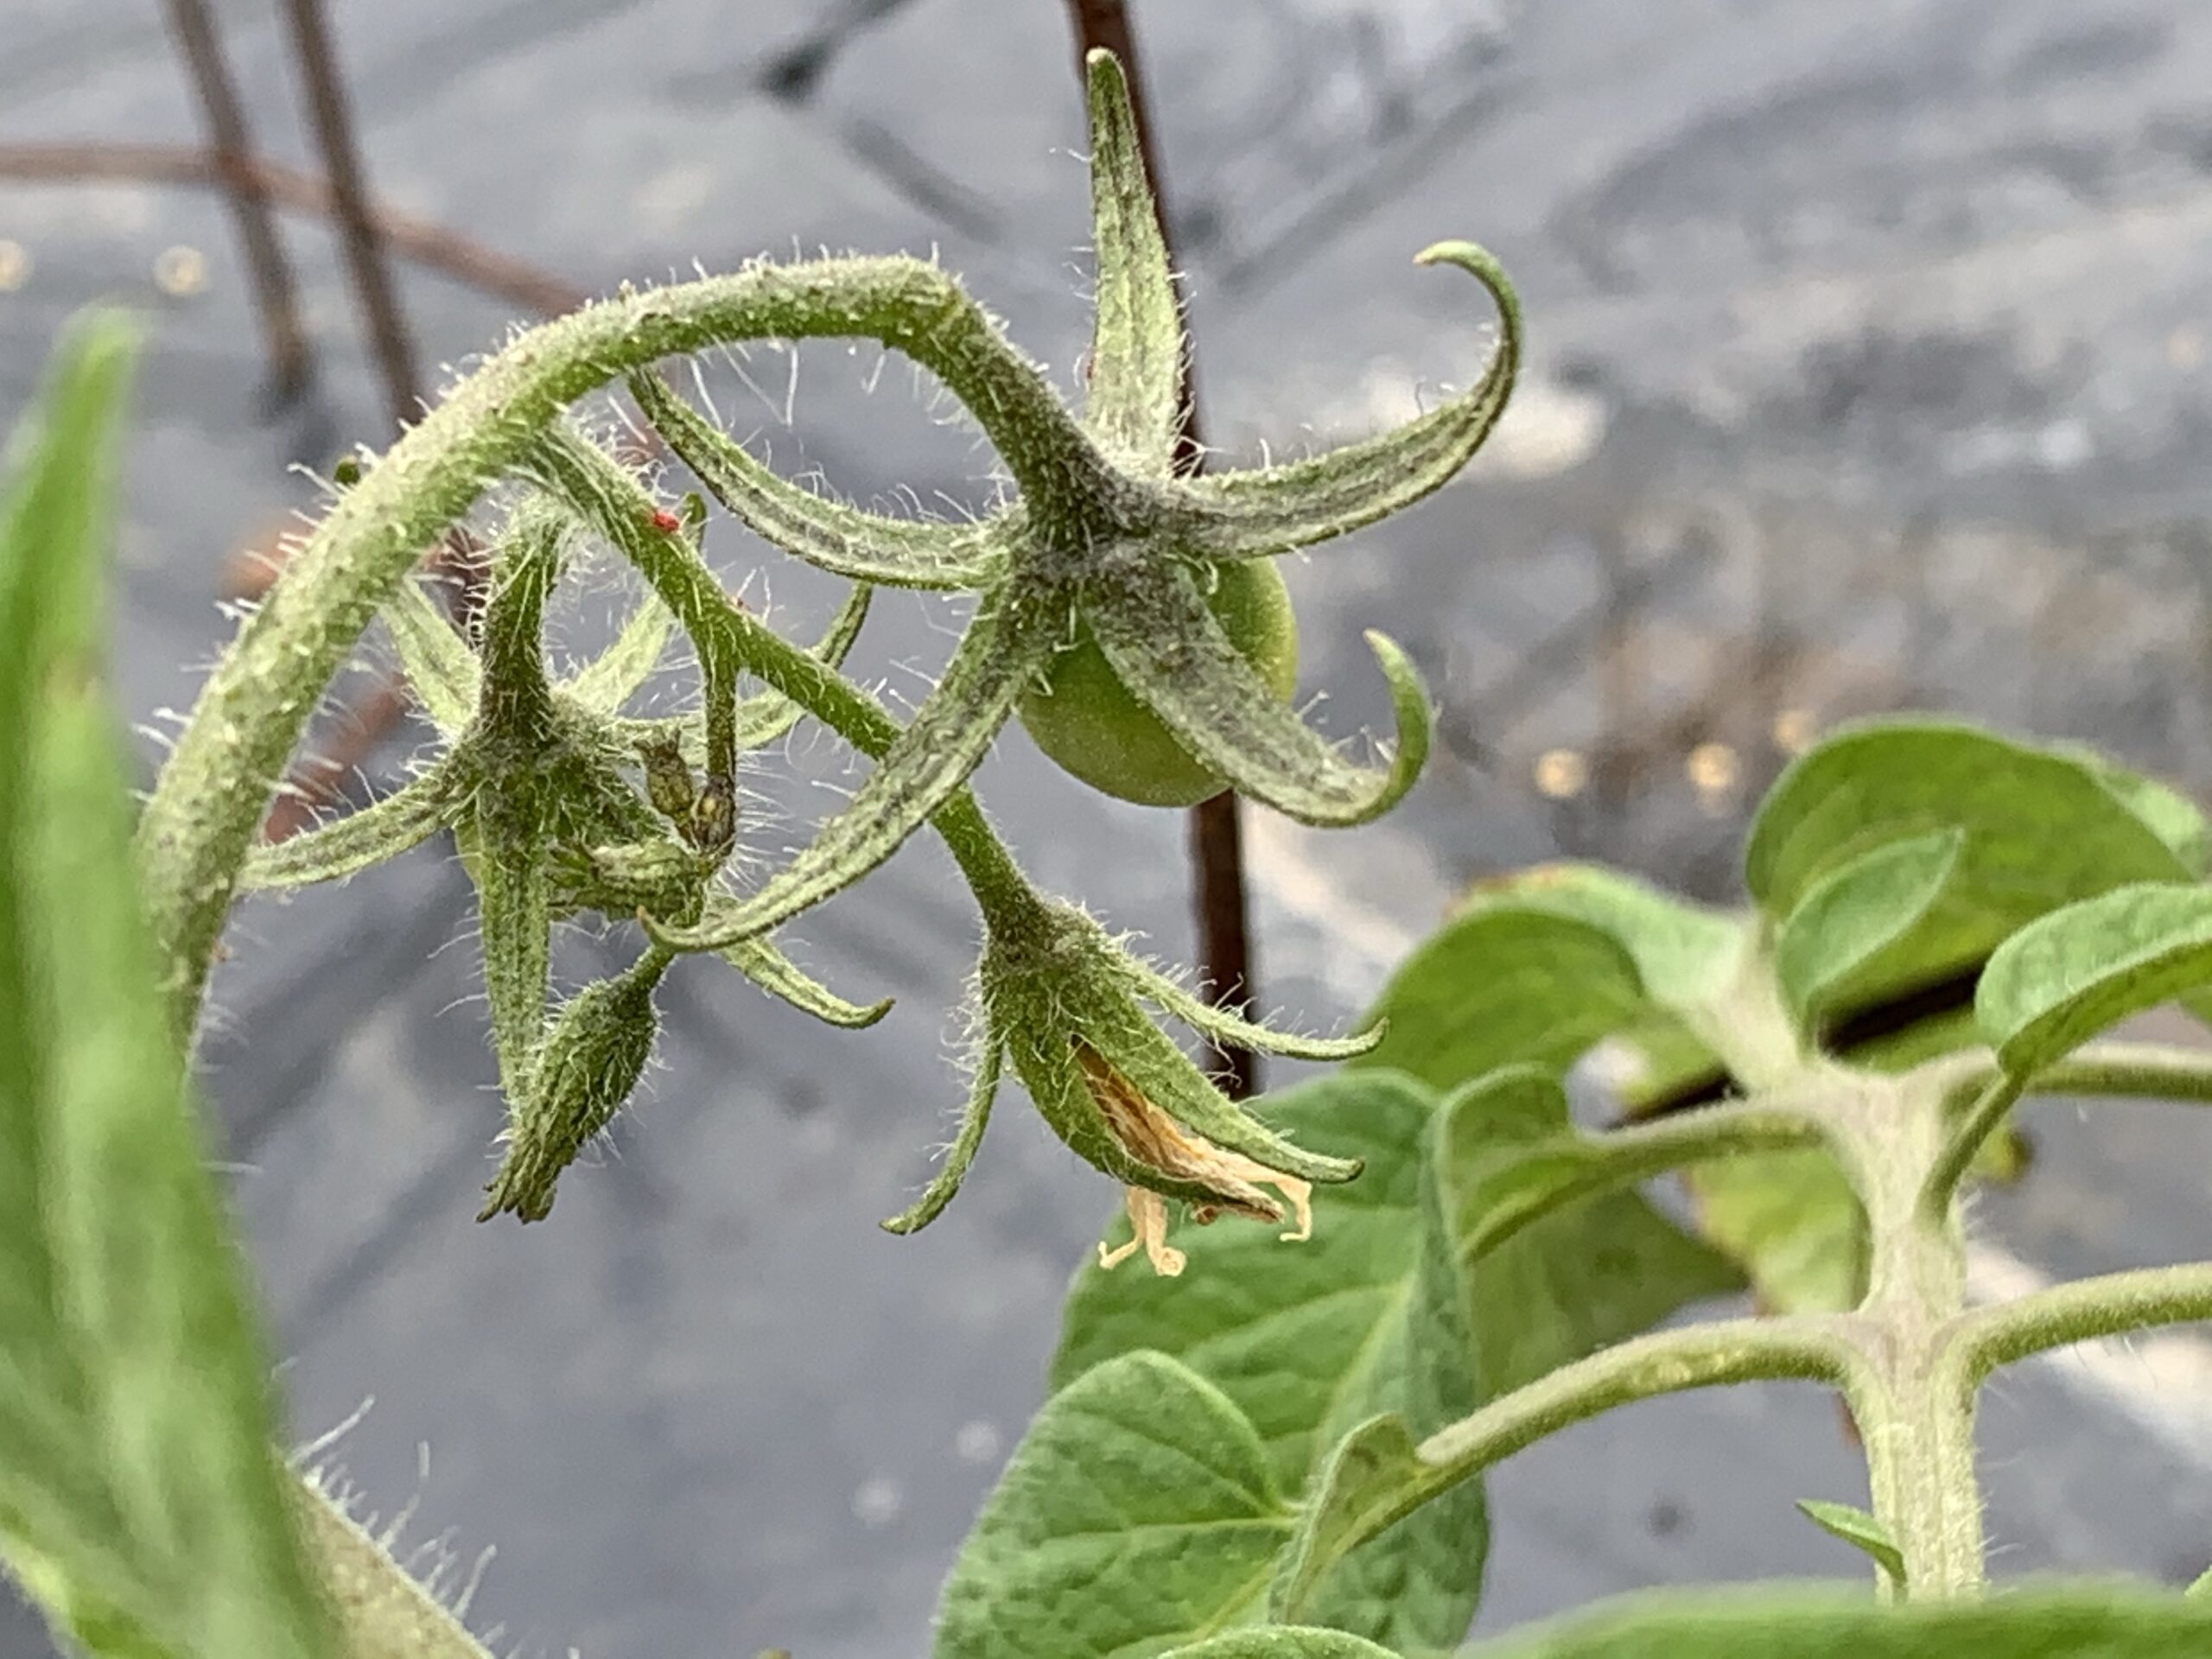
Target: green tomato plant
(1272,1445)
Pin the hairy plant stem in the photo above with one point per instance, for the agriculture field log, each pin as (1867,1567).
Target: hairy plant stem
(2120,1071)
(200,822)
(1914,1408)
(1622,1157)
(2110,1306)
(1910,1397)
(1812,1348)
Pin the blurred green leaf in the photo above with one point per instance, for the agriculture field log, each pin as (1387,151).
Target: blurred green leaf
(1309,1339)
(1284,1642)
(1684,953)
(2091,1622)
(1535,967)
(1855,911)
(2070,974)
(2041,829)
(1501,985)
(1793,1222)
(1138,1513)
(1858,1530)
(1595,1272)
(2169,815)
(1362,1477)
(139,1490)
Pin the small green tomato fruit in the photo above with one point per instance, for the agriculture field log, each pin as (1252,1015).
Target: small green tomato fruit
(1082,715)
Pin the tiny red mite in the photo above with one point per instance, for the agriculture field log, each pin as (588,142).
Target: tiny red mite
(666,522)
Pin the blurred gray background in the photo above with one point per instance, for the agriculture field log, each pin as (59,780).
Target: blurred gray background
(1868,371)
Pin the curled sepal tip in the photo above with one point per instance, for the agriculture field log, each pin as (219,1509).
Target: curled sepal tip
(589,1065)
(1175,658)
(778,975)
(1263,511)
(974,1119)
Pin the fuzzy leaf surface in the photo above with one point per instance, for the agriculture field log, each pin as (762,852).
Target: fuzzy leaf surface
(1284,1642)
(1855,912)
(1594,1272)
(1139,1514)
(2041,829)
(2070,974)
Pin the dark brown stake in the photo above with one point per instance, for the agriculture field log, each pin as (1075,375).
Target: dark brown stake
(276,297)
(1216,837)
(349,194)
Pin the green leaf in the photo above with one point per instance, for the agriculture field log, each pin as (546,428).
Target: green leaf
(1310,1339)
(361,839)
(2172,817)
(1794,1222)
(1271,510)
(2089,1622)
(2042,829)
(1501,985)
(1541,1294)
(1362,1477)
(1539,967)
(867,547)
(1685,954)
(2199,1587)
(989,1063)
(1172,653)
(1858,1530)
(140,1493)
(2063,978)
(1855,911)
(766,966)
(1597,1271)
(1284,1642)
(1138,1513)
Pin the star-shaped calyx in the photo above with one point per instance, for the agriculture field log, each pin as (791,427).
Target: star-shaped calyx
(1104,547)
(1071,1010)
(534,782)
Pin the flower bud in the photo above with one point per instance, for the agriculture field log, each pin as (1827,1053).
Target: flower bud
(590,1063)
(669,784)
